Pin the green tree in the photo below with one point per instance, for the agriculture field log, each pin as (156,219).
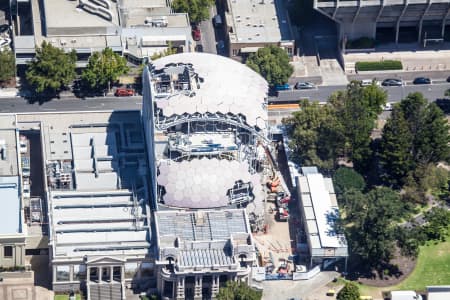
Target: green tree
(7,65)
(51,69)
(198,10)
(396,158)
(345,179)
(103,69)
(372,235)
(432,136)
(356,112)
(350,291)
(438,223)
(314,135)
(272,63)
(238,291)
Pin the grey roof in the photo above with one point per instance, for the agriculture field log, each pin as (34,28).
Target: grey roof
(86,223)
(202,225)
(205,257)
(94,155)
(257,21)
(10,206)
(8,142)
(203,183)
(318,209)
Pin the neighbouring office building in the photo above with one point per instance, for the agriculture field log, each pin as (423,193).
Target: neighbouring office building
(134,28)
(413,20)
(253,24)
(12,230)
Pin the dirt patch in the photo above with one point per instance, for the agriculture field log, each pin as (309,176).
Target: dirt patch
(399,268)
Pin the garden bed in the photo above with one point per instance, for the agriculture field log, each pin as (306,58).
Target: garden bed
(383,65)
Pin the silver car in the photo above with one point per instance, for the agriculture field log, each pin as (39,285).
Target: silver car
(304,86)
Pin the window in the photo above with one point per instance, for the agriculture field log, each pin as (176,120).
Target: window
(8,251)
(235,52)
(79,272)
(62,273)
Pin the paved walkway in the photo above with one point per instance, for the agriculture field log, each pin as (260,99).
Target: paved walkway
(304,289)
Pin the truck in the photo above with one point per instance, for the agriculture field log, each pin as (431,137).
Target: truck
(25,166)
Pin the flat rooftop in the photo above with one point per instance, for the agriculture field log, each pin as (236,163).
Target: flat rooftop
(63,17)
(254,21)
(226,86)
(320,209)
(113,223)
(8,146)
(10,203)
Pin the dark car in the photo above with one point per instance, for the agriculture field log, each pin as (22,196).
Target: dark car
(392,82)
(422,80)
(198,48)
(448,79)
(196,34)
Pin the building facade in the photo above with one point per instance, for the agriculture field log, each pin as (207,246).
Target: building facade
(373,19)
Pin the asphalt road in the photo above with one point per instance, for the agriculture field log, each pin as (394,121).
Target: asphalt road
(395,94)
(208,36)
(20,105)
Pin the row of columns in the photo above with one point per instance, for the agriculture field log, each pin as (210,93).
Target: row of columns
(180,286)
(100,273)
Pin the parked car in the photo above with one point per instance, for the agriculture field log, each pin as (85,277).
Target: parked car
(388,106)
(199,48)
(282,87)
(304,85)
(217,21)
(123,92)
(196,34)
(422,80)
(448,79)
(367,82)
(392,82)
(220,47)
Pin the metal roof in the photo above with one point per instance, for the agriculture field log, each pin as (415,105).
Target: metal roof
(227,87)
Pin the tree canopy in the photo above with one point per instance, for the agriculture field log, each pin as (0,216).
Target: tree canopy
(103,69)
(350,291)
(51,69)
(198,10)
(416,134)
(238,291)
(372,230)
(7,65)
(272,63)
(321,135)
(345,179)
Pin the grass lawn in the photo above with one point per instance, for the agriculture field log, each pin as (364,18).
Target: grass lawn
(433,268)
(66,297)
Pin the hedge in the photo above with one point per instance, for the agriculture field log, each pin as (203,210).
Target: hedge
(378,65)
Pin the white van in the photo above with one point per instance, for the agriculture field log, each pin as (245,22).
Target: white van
(217,21)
